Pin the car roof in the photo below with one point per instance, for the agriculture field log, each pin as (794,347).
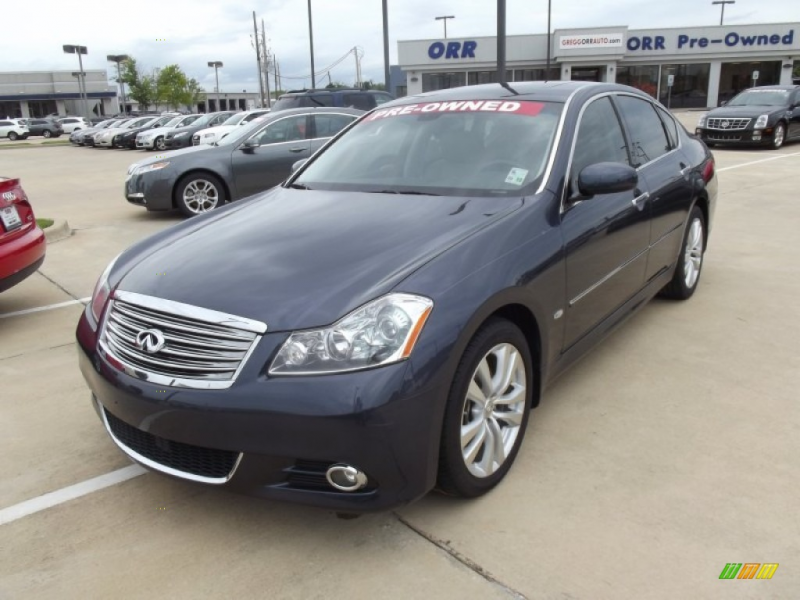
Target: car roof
(553,91)
(316,109)
(785,88)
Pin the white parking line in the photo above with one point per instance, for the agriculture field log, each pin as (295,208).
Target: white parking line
(29,507)
(755,162)
(28,311)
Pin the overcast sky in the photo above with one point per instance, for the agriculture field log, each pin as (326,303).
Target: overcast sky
(197,31)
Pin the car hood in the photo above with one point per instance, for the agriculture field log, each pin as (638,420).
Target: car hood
(172,155)
(219,130)
(156,131)
(113,130)
(738,112)
(188,129)
(297,259)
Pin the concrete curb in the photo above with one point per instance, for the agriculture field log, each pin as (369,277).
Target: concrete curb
(58,231)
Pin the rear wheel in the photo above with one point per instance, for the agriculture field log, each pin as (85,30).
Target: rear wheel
(687,273)
(12,135)
(199,193)
(487,410)
(779,136)
(47,133)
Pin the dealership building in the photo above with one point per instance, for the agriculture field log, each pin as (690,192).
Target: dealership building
(685,67)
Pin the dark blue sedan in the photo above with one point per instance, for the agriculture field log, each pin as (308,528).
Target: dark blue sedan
(382,322)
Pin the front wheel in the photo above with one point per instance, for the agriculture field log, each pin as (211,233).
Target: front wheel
(12,135)
(160,144)
(487,410)
(47,133)
(199,193)
(687,273)
(779,136)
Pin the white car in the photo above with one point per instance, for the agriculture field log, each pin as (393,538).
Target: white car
(215,134)
(14,129)
(154,138)
(73,124)
(106,137)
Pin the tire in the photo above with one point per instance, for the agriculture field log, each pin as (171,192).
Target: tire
(46,133)
(779,137)
(684,281)
(467,415)
(199,193)
(76,129)
(12,135)
(159,143)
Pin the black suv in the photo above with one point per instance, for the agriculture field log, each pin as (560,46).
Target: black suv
(340,97)
(768,115)
(46,127)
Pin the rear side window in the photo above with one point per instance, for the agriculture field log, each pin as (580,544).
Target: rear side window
(70,121)
(330,125)
(600,139)
(648,138)
(6,123)
(382,98)
(359,101)
(670,126)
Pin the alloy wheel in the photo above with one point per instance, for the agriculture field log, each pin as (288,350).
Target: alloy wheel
(160,143)
(780,135)
(493,410)
(200,196)
(693,254)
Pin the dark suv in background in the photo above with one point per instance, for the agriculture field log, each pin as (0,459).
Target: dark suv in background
(343,98)
(45,127)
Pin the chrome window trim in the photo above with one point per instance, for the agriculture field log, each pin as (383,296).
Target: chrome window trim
(131,453)
(557,141)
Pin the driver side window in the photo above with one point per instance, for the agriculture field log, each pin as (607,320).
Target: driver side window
(286,130)
(600,139)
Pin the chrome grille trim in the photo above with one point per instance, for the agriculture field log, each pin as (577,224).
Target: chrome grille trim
(734,124)
(203,349)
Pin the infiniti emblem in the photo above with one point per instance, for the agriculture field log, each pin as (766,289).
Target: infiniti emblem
(150,340)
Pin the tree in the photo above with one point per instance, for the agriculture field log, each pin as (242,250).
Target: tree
(172,86)
(141,87)
(193,93)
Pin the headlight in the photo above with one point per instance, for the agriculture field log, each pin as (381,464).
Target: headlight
(207,135)
(101,292)
(182,134)
(381,332)
(701,121)
(147,168)
(761,121)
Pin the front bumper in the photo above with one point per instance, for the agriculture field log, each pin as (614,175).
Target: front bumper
(152,190)
(148,143)
(745,137)
(181,142)
(281,434)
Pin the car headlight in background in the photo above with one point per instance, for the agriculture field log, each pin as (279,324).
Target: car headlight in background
(101,292)
(701,121)
(147,168)
(208,135)
(761,121)
(381,332)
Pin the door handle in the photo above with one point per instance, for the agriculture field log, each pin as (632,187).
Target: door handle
(686,170)
(640,200)
(296,149)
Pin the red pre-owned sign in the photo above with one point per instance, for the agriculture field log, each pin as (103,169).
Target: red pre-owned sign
(530,109)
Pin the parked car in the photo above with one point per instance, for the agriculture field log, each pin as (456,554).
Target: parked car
(73,124)
(22,243)
(45,127)
(214,134)
(181,137)
(13,129)
(90,139)
(127,139)
(81,137)
(383,321)
(350,98)
(768,116)
(110,138)
(154,138)
(249,160)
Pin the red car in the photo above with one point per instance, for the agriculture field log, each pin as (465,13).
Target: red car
(22,242)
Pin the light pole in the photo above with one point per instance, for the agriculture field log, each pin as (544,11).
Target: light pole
(217,64)
(501,41)
(120,58)
(311,44)
(444,19)
(386,46)
(723,3)
(71,49)
(549,42)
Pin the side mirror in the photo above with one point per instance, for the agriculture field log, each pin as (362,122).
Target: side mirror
(250,145)
(723,103)
(299,164)
(606,178)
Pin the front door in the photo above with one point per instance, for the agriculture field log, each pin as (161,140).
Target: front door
(607,236)
(281,144)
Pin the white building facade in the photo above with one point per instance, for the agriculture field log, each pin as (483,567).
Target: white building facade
(25,94)
(687,67)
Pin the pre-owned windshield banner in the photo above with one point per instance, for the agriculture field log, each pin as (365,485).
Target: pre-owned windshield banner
(530,109)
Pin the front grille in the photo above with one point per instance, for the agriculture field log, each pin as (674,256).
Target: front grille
(723,137)
(728,124)
(177,343)
(309,475)
(194,460)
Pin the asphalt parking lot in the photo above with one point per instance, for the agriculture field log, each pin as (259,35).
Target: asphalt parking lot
(669,451)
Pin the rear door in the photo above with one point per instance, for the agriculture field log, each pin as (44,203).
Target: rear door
(665,171)
(281,143)
(326,125)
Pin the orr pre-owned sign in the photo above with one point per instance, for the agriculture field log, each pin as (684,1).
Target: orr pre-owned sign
(711,41)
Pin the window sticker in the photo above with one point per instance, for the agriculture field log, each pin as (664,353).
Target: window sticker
(516,176)
(530,109)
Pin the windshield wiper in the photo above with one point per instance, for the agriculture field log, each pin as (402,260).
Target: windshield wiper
(299,186)
(404,192)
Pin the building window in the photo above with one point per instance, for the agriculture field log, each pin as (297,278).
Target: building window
(796,73)
(690,89)
(537,74)
(401,90)
(479,77)
(642,77)
(10,110)
(738,76)
(41,108)
(442,81)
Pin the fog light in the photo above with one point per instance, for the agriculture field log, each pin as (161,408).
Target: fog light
(346,478)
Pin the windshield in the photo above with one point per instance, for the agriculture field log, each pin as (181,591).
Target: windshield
(475,148)
(172,122)
(761,98)
(204,119)
(234,120)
